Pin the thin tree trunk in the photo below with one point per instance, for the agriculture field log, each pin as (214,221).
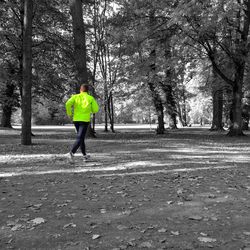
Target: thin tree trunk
(27,73)
(93,123)
(105,93)
(184,109)
(96,53)
(111,112)
(245,116)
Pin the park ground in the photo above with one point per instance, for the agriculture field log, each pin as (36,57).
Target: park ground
(187,189)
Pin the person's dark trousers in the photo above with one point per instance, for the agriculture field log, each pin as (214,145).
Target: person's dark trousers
(81,129)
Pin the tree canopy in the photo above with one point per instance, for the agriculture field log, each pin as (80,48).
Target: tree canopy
(172,62)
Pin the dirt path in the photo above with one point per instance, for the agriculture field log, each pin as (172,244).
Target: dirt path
(186,190)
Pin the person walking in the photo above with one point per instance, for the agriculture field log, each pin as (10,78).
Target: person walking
(83,105)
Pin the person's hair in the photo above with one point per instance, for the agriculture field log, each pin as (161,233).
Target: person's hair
(85,87)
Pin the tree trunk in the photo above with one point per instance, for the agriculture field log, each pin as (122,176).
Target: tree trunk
(237,86)
(168,88)
(155,95)
(27,73)
(93,123)
(217,110)
(80,53)
(153,78)
(217,96)
(20,56)
(6,117)
(111,112)
(161,128)
(173,121)
(105,94)
(236,109)
(158,107)
(8,105)
(245,116)
(79,42)
(180,115)
(170,105)
(184,109)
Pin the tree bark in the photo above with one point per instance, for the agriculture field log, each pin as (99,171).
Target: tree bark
(217,96)
(27,73)
(105,95)
(6,117)
(170,105)
(236,109)
(153,78)
(79,42)
(111,112)
(246,116)
(217,110)
(7,106)
(168,88)
(184,109)
(80,51)
(158,107)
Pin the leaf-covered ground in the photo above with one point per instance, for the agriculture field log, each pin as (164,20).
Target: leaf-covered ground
(188,189)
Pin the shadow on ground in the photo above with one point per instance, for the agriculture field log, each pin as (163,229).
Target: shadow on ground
(187,189)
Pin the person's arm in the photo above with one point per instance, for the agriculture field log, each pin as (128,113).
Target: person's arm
(69,105)
(94,106)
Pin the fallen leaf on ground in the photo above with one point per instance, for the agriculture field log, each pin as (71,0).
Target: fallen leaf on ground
(203,234)
(96,236)
(69,225)
(214,218)
(16,227)
(206,239)
(162,230)
(195,217)
(121,227)
(38,221)
(176,233)
(146,244)
(103,211)
(62,205)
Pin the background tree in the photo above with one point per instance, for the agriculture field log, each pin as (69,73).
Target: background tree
(207,21)
(27,72)
(80,54)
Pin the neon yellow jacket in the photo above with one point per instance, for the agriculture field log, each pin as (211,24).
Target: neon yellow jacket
(84,105)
